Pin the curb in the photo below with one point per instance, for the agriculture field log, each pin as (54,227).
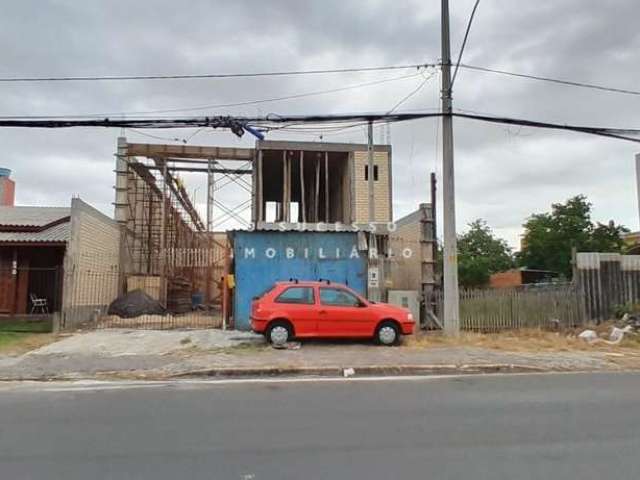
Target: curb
(292,372)
(364,371)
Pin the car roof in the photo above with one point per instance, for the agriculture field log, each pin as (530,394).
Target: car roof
(310,283)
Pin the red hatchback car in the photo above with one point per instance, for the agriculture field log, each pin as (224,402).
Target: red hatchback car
(324,309)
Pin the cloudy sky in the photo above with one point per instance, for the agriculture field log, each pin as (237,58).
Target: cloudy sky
(502,174)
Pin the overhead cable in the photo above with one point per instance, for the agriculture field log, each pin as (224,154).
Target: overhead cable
(238,124)
(284,73)
(225,105)
(552,80)
(464,42)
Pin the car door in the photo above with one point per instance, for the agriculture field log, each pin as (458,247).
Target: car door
(342,314)
(298,304)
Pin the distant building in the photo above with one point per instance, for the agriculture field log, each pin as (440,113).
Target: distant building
(632,242)
(520,276)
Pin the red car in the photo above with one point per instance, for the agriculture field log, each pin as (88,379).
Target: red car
(324,309)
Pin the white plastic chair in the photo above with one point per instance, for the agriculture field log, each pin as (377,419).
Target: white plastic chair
(38,303)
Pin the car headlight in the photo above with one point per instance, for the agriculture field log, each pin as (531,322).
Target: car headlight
(409,316)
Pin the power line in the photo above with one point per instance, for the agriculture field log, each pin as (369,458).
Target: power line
(464,42)
(238,123)
(411,94)
(225,105)
(217,75)
(552,80)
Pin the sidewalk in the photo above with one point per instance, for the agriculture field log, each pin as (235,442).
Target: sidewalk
(160,355)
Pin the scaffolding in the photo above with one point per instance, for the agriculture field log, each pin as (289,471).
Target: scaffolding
(165,243)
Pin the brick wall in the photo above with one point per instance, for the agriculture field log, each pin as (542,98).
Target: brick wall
(7,191)
(381,188)
(510,278)
(91,261)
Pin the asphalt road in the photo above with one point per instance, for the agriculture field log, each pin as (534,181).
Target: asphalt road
(577,426)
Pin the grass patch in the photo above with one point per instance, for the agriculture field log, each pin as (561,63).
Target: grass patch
(16,343)
(17,337)
(25,327)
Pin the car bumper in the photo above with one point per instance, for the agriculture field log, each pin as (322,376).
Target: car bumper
(258,325)
(408,328)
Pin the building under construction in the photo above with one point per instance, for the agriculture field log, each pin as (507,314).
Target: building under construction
(174,254)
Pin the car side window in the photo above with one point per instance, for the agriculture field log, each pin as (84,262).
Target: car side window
(300,295)
(338,297)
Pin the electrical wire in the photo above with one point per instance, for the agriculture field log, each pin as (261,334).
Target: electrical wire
(157,137)
(224,105)
(217,75)
(464,42)
(237,124)
(407,97)
(552,80)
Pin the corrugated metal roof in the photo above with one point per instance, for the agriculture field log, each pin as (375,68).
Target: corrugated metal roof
(56,233)
(381,227)
(32,216)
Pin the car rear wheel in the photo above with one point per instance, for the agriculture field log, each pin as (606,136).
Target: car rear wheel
(388,334)
(279,333)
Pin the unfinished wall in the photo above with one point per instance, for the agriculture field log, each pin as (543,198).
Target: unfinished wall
(406,272)
(381,186)
(412,266)
(332,183)
(91,273)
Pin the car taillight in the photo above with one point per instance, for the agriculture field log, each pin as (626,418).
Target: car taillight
(255,306)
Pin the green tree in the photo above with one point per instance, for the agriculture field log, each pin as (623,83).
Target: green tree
(549,237)
(481,253)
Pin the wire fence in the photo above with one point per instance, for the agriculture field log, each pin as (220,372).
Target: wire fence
(493,310)
(88,294)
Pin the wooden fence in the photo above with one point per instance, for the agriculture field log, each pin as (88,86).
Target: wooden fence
(607,280)
(493,310)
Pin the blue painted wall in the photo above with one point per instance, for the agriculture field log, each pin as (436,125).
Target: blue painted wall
(264,257)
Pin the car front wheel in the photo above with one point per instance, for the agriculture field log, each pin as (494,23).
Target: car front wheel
(278,333)
(388,334)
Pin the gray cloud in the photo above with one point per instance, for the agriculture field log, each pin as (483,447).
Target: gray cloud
(503,174)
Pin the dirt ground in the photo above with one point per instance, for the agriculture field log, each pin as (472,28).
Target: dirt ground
(164,354)
(529,340)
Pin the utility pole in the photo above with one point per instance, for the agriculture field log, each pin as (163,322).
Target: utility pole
(638,181)
(373,284)
(370,167)
(450,261)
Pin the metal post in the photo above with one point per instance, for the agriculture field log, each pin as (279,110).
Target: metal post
(450,260)
(327,217)
(302,205)
(225,289)
(372,216)
(210,186)
(163,234)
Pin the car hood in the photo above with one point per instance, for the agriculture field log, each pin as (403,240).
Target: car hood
(389,308)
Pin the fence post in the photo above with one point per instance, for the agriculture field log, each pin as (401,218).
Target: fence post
(56,322)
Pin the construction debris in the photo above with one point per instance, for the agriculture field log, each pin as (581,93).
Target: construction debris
(615,337)
(589,336)
(179,295)
(134,304)
(287,346)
